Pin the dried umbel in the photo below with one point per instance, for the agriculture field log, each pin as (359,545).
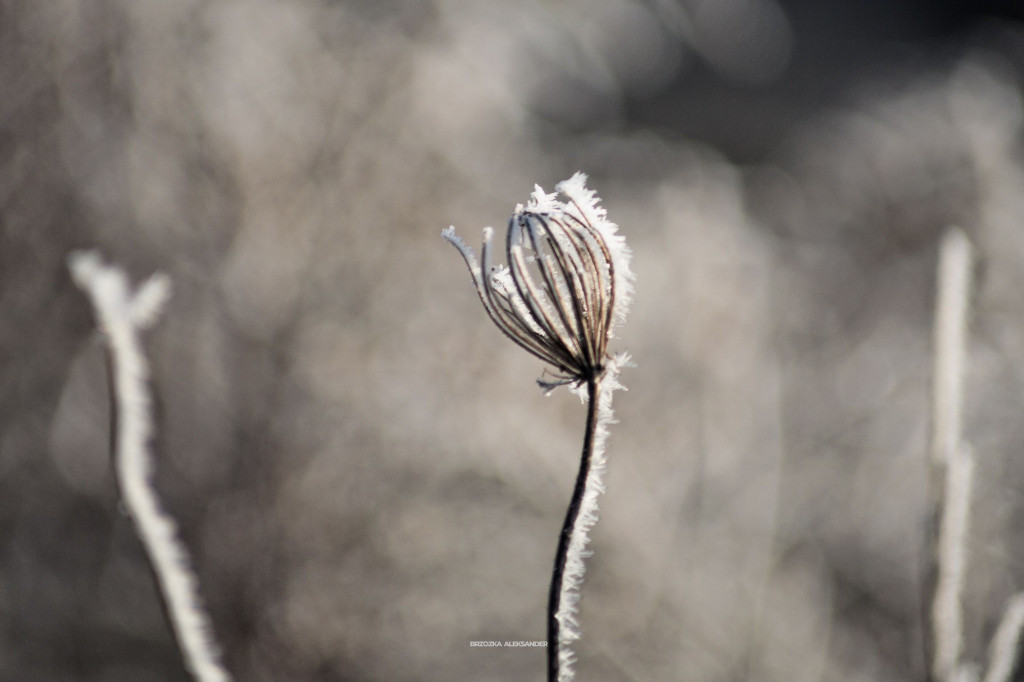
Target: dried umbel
(567,284)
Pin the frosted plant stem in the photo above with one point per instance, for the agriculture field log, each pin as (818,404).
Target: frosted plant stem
(567,284)
(950,340)
(567,578)
(122,316)
(947,609)
(952,462)
(558,577)
(1004,654)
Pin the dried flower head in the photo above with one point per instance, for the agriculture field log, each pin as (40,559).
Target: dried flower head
(567,282)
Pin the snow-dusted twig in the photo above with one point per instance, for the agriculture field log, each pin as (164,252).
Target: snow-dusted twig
(951,459)
(122,316)
(954,526)
(1004,654)
(566,286)
(950,341)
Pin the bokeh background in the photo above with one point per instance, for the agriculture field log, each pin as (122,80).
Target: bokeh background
(362,466)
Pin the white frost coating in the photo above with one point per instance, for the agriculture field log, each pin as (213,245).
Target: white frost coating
(950,455)
(567,282)
(954,284)
(121,316)
(572,580)
(1002,658)
(585,202)
(149,300)
(947,609)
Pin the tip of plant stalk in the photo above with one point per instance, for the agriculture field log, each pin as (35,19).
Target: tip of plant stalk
(109,287)
(150,299)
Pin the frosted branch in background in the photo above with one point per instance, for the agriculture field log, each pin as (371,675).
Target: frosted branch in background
(950,457)
(1003,656)
(954,459)
(950,340)
(949,454)
(947,609)
(121,316)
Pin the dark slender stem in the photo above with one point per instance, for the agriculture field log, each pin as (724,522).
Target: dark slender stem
(558,576)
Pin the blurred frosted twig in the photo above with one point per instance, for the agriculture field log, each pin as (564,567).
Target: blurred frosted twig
(1004,654)
(566,286)
(950,339)
(947,608)
(121,316)
(951,460)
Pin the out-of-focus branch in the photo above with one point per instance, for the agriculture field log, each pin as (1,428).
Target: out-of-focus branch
(122,315)
(947,607)
(950,339)
(951,460)
(1004,655)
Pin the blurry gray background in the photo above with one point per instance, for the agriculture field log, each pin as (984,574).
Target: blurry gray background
(362,466)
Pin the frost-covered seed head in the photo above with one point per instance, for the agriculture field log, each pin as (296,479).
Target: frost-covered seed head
(567,281)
